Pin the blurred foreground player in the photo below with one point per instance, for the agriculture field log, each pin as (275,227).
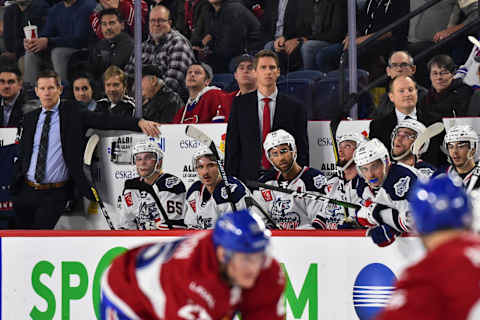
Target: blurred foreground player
(445,284)
(210,275)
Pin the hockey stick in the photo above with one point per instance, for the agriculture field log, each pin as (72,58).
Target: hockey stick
(253,203)
(199,135)
(474,40)
(302,195)
(429,133)
(87,162)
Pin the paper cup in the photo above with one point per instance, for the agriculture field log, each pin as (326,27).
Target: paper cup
(31,32)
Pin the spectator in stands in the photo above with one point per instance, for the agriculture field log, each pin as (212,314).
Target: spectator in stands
(125,9)
(12,97)
(65,32)
(448,97)
(17,15)
(50,154)
(329,26)
(424,27)
(205,103)
(166,48)
(283,24)
(117,101)
(116,46)
(400,63)
(83,91)
(376,15)
(190,18)
(403,94)
(257,113)
(225,40)
(160,103)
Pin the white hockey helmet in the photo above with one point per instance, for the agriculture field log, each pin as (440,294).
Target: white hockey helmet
(148,145)
(276,138)
(371,151)
(201,152)
(414,125)
(357,138)
(460,133)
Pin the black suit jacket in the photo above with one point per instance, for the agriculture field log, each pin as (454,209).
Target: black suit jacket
(243,148)
(295,24)
(74,122)
(16,117)
(382,130)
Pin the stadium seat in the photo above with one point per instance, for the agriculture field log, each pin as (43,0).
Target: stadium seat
(314,75)
(362,76)
(301,89)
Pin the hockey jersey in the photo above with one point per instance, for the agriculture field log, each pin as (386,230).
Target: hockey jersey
(390,201)
(141,203)
(470,179)
(207,107)
(425,169)
(443,285)
(182,280)
(202,209)
(287,211)
(469,71)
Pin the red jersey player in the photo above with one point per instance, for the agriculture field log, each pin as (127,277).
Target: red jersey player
(445,284)
(208,276)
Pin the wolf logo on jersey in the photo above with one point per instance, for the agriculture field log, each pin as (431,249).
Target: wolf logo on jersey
(289,212)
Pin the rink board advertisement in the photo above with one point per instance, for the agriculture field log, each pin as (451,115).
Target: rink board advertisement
(330,276)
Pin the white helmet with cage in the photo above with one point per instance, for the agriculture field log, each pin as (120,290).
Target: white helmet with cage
(414,125)
(201,152)
(150,145)
(357,138)
(276,138)
(460,133)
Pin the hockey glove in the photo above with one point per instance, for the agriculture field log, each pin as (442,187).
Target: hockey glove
(365,216)
(382,235)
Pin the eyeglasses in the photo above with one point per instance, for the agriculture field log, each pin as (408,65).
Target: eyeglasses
(402,65)
(441,73)
(158,20)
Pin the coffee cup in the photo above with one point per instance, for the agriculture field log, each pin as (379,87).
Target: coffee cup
(31,32)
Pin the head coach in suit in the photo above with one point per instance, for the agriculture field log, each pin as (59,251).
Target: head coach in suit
(51,153)
(404,95)
(255,114)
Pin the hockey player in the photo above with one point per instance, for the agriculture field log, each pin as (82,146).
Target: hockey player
(208,276)
(285,210)
(384,192)
(444,284)
(403,138)
(461,144)
(207,199)
(155,199)
(343,185)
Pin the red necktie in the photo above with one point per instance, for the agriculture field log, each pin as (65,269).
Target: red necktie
(266,129)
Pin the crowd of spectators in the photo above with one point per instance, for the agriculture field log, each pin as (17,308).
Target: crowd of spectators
(186,43)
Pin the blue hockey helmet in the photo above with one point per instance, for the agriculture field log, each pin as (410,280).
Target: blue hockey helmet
(439,204)
(241,231)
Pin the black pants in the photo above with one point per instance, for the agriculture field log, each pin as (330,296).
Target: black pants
(39,209)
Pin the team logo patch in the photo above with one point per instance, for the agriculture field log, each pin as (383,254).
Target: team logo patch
(401,187)
(319,181)
(171,182)
(427,172)
(128,199)
(267,195)
(193,205)
(224,193)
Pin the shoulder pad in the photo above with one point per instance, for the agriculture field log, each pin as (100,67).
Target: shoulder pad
(268,176)
(134,183)
(313,179)
(171,183)
(238,191)
(196,186)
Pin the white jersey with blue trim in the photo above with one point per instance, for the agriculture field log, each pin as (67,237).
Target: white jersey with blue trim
(470,179)
(340,189)
(140,209)
(286,210)
(390,201)
(202,209)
